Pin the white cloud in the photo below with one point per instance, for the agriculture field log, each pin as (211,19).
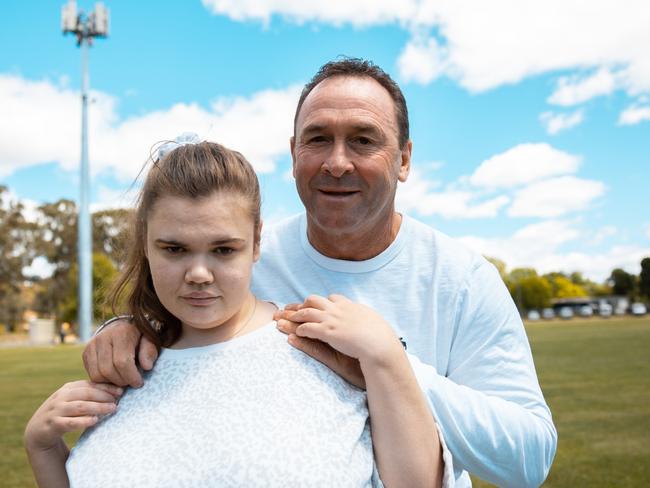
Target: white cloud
(40,268)
(555,197)
(554,122)
(634,114)
(604,233)
(358,13)
(422,61)
(110,199)
(573,90)
(504,41)
(487,44)
(540,246)
(524,163)
(30,207)
(43,126)
(418,195)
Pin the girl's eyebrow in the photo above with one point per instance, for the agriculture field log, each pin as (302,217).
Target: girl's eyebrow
(216,242)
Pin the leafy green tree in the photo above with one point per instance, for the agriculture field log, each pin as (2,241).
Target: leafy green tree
(17,251)
(104,272)
(58,244)
(644,278)
(591,288)
(110,233)
(563,287)
(528,289)
(623,283)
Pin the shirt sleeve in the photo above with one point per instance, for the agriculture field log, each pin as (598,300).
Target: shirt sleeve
(488,404)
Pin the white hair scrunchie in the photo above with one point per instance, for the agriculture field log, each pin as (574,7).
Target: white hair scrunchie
(182,140)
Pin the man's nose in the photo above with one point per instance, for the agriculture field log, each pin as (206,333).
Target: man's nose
(198,272)
(338,161)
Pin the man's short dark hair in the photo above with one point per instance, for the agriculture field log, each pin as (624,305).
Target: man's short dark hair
(361,68)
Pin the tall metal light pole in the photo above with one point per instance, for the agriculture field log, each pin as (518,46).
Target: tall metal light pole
(85,27)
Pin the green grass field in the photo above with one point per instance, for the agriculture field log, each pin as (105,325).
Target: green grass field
(595,375)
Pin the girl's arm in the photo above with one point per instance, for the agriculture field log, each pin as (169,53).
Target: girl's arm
(74,406)
(404,435)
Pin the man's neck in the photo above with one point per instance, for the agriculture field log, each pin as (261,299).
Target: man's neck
(357,245)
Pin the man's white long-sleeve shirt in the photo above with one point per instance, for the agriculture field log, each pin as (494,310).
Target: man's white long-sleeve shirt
(465,339)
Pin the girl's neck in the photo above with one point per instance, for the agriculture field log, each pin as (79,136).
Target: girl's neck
(253,315)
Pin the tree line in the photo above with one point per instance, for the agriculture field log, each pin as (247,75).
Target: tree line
(51,234)
(531,290)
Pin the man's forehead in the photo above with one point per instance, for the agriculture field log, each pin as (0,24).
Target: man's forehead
(350,95)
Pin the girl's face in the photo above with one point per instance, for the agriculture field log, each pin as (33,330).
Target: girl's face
(201,254)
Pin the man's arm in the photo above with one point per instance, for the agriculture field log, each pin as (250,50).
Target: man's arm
(488,403)
(109,357)
(407,449)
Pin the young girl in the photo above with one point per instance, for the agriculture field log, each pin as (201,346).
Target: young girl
(229,402)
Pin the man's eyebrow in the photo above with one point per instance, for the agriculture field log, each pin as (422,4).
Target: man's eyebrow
(358,127)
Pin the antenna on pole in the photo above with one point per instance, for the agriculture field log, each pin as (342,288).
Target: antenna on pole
(85,28)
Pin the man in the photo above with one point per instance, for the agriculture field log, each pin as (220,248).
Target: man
(466,342)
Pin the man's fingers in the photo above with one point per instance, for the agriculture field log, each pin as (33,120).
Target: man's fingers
(125,346)
(316,349)
(91,362)
(105,365)
(147,353)
(293,306)
(287,326)
(113,390)
(346,367)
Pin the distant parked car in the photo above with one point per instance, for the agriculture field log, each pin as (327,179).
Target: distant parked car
(548,314)
(605,310)
(638,309)
(566,313)
(586,311)
(533,315)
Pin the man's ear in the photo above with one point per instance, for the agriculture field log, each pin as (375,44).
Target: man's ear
(292,146)
(256,246)
(405,161)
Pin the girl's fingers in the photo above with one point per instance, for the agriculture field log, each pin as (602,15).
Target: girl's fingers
(308,315)
(312,330)
(90,394)
(82,408)
(336,298)
(316,301)
(70,424)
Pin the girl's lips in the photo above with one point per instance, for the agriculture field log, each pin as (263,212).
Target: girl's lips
(200,301)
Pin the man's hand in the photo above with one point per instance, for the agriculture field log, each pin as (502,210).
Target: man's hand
(339,333)
(109,357)
(346,367)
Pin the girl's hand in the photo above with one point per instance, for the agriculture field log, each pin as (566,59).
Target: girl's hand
(75,406)
(350,328)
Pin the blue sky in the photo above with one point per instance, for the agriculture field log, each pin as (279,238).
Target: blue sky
(530,120)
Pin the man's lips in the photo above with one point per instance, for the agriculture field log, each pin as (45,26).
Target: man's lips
(340,193)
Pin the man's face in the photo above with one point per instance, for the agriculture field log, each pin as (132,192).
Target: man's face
(346,156)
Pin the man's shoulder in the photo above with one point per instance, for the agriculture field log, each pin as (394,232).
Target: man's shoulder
(450,256)
(277,227)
